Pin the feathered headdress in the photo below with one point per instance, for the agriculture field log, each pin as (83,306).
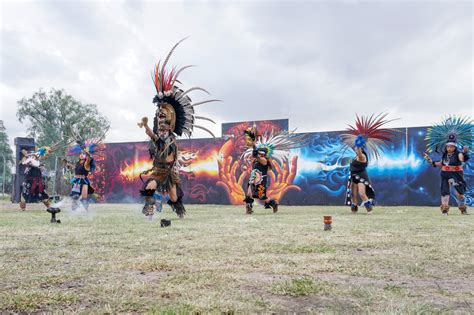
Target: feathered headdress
(458,131)
(368,133)
(277,145)
(90,146)
(43,151)
(167,92)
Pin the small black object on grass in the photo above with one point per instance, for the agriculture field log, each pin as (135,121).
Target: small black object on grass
(165,223)
(53,212)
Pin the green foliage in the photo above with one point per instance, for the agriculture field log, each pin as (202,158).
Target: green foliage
(6,152)
(57,116)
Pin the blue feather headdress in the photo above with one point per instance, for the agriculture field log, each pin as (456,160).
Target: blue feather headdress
(90,146)
(43,151)
(458,131)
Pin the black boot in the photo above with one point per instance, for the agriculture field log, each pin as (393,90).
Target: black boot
(463,209)
(178,207)
(354,208)
(444,209)
(272,204)
(248,205)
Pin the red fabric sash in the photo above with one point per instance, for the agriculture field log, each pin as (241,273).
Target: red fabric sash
(448,168)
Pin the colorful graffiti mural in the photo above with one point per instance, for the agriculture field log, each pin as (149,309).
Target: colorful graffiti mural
(213,172)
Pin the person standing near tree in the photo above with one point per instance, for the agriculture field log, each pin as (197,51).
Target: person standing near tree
(32,188)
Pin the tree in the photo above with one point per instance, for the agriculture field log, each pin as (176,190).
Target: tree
(6,152)
(57,116)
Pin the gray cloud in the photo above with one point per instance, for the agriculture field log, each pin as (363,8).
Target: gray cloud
(315,63)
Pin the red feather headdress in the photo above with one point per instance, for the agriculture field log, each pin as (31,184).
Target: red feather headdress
(368,133)
(168,92)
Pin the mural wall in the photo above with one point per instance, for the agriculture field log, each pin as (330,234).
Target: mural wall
(212,171)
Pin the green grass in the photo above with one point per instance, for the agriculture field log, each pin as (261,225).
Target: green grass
(4,198)
(219,260)
(300,287)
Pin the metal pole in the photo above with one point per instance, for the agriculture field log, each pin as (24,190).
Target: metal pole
(3,175)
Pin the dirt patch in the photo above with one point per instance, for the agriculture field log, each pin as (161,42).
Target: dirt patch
(153,275)
(263,276)
(62,285)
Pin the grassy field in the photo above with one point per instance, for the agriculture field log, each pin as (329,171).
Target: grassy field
(398,260)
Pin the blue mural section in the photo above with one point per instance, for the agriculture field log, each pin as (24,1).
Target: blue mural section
(322,171)
(400,177)
(423,184)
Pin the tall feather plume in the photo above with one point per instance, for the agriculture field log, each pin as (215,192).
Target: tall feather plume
(164,81)
(368,132)
(167,79)
(204,102)
(178,73)
(170,53)
(453,129)
(156,77)
(192,89)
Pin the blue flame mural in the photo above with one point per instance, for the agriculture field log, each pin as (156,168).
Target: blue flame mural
(400,177)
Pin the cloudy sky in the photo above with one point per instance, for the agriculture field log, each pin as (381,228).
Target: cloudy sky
(316,63)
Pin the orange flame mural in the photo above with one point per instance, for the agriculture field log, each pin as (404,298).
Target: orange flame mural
(133,171)
(206,166)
